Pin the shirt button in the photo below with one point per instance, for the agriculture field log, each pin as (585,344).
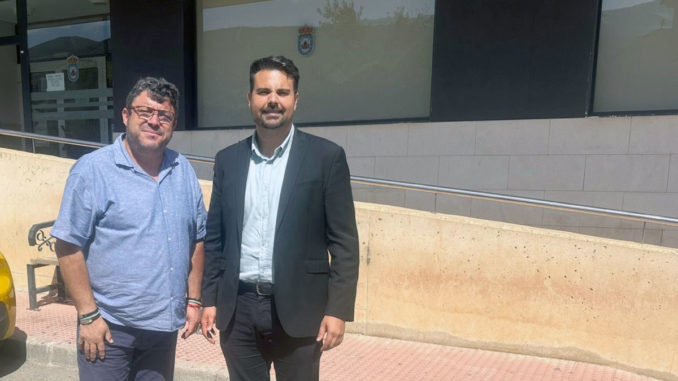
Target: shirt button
(171,268)
(164,210)
(169,238)
(172,298)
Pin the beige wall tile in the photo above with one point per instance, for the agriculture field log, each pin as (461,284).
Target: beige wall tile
(474,172)
(379,140)
(554,172)
(589,136)
(654,134)
(633,173)
(416,169)
(513,137)
(441,139)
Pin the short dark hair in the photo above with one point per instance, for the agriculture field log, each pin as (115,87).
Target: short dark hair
(159,89)
(280,63)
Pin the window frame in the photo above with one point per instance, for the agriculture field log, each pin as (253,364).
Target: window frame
(591,111)
(350,122)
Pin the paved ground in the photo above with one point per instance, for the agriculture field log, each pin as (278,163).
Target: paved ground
(48,337)
(32,371)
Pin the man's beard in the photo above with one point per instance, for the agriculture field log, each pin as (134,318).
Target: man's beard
(272,125)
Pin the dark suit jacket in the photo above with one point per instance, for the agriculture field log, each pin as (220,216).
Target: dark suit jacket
(315,215)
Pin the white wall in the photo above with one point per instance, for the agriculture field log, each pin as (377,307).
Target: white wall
(626,163)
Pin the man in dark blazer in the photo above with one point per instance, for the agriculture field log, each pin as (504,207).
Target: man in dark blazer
(281,200)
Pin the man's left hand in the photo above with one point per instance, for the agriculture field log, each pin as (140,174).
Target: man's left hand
(331,332)
(192,320)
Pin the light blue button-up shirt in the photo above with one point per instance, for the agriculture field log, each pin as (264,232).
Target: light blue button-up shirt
(262,195)
(137,234)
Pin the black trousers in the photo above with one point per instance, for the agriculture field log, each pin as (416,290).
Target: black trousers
(255,339)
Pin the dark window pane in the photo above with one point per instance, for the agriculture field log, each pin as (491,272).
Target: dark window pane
(7,18)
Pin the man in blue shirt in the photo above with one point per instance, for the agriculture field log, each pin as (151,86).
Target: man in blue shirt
(129,242)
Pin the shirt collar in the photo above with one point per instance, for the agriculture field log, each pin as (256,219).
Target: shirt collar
(278,152)
(120,153)
(122,157)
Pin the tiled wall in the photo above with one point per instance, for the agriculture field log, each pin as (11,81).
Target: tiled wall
(625,163)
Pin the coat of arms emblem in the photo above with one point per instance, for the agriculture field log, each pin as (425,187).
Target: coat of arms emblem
(73,69)
(305,41)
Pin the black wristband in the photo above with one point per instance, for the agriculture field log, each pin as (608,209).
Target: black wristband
(195,302)
(89,318)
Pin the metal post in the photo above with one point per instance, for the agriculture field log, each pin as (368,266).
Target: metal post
(32,292)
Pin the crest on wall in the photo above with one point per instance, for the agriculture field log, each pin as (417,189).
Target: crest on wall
(305,43)
(73,69)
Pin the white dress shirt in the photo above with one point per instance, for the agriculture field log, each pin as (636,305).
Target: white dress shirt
(262,196)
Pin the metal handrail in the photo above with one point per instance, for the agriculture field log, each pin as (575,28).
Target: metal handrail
(519,200)
(563,206)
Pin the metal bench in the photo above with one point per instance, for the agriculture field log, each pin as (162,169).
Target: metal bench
(38,237)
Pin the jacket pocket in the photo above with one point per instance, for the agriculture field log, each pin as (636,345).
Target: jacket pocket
(317,266)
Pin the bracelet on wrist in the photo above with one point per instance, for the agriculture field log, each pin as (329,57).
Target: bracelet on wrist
(192,302)
(89,318)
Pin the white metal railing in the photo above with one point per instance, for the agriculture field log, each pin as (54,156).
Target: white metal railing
(72,105)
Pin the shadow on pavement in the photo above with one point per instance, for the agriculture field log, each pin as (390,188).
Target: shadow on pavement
(12,352)
(52,297)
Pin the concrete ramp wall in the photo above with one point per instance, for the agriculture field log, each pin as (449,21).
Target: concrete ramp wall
(455,280)
(476,283)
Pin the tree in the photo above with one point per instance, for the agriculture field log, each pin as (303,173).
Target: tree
(341,12)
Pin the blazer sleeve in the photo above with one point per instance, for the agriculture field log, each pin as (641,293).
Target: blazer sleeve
(214,239)
(342,239)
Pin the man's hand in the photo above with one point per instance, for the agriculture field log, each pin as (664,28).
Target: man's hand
(209,315)
(192,320)
(331,332)
(91,340)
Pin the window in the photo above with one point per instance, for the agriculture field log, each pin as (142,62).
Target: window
(7,18)
(359,59)
(637,55)
(70,83)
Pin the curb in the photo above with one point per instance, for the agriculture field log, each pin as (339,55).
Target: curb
(50,353)
(63,355)
(186,371)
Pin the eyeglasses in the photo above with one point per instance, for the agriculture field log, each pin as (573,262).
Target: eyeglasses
(146,113)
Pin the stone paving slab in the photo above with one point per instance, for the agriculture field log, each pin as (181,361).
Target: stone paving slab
(49,336)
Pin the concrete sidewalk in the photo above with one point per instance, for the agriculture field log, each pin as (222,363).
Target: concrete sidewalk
(49,338)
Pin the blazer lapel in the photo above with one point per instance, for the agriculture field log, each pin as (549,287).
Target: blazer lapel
(294,164)
(241,171)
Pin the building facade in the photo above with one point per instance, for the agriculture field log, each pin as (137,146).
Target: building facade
(571,101)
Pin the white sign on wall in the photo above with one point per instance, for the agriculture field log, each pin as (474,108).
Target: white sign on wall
(55,82)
